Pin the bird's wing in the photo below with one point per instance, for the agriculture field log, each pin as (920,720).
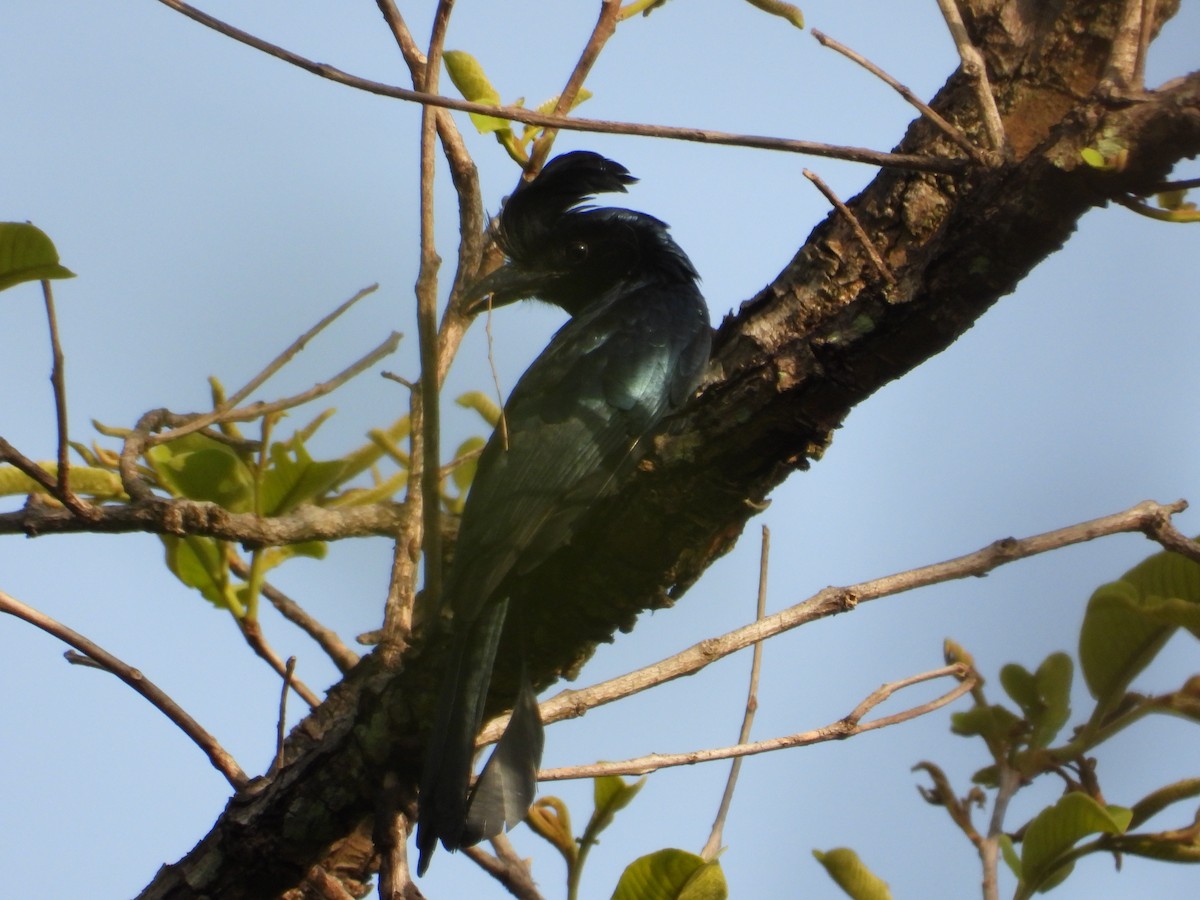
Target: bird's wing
(574,423)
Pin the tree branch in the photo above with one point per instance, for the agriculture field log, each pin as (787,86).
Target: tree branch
(217,755)
(916,163)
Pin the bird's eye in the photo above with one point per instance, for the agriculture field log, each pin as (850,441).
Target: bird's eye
(577,252)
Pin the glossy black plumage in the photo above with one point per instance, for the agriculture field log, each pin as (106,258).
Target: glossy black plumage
(577,422)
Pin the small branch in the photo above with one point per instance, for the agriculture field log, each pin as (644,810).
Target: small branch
(390,836)
(59,383)
(281,726)
(258,410)
(252,632)
(606,26)
(953,132)
(989,848)
(859,231)
(975,68)
(847,727)
(914,162)
(713,846)
(217,755)
(155,515)
(506,867)
(1144,517)
(343,657)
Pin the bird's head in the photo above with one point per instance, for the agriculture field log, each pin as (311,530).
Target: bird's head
(567,253)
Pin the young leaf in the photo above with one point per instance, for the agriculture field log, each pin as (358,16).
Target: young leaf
(1044,697)
(482,404)
(27,254)
(468,76)
(610,794)
(859,882)
(1057,829)
(1128,621)
(295,477)
(550,819)
(199,468)
(672,875)
(200,563)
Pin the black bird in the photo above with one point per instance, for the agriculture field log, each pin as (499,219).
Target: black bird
(577,422)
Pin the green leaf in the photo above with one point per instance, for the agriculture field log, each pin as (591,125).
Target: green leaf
(993,723)
(200,468)
(468,76)
(1093,158)
(610,794)
(294,478)
(672,875)
(274,556)
(781,9)
(27,254)
(852,876)
(1057,829)
(1128,621)
(200,563)
(1044,697)
(482,404)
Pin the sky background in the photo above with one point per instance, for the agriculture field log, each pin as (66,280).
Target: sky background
(216,202)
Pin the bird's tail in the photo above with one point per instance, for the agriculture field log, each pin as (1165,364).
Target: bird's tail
(506,786)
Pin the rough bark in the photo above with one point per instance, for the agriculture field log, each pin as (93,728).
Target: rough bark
(788,368)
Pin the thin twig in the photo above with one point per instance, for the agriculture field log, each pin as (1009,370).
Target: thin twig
(846,727)
(252,632)
(343,657)
(713,846)
(859,231)
(390,834)
(281,726)
(914,162)
(975,68)
(507,867)
(953,132)
(59,383)
(989,848)
(217,755)
(227,412)
(1145,517)
(606,25)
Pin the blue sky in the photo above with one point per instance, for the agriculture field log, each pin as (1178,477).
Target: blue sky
(216,202)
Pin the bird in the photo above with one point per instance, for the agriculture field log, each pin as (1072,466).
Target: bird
(631,353)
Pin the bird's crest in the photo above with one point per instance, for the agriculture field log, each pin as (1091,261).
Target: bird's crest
(534,209)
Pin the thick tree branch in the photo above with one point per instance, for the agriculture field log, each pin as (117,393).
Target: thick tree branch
(789,366)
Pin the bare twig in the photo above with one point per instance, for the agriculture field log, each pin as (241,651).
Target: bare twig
(59,383)
(217,755)
(953,132)
(78,508)
(975,68)
(713,846)
(507,867)
(847,727)
(1145,517)
(427,326)
(258,410)
(860,232)
(252,632)
(343,657)
(605,26)
(914,162)
(281,725)
(390,836)
(989,847)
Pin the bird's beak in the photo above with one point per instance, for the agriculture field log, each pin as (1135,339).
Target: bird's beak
(503,286)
